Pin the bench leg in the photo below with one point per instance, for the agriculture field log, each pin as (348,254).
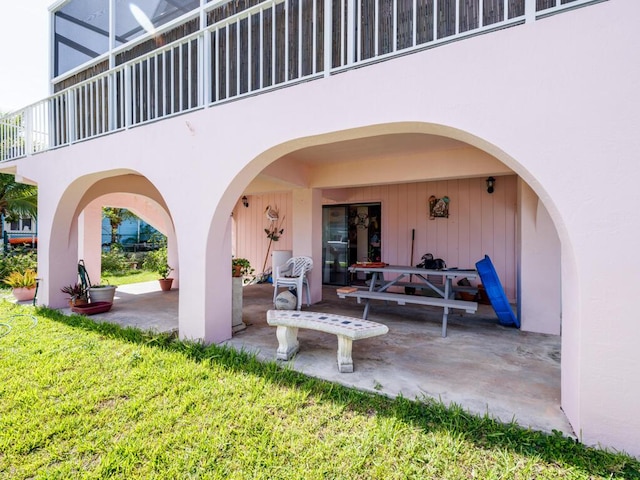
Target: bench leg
(345,363)
(287,342)
(365,314)
(445,316)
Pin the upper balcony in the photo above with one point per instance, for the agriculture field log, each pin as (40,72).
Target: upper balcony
(222,51)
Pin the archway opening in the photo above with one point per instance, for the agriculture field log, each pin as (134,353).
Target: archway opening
(401,171)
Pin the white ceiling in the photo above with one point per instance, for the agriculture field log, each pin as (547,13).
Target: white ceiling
(374,147)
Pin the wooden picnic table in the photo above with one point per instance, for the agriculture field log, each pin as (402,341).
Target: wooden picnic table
(418,278)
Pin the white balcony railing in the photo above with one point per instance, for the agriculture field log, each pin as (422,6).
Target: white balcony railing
(270,45)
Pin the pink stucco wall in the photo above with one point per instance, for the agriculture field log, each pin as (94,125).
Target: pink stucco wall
(539,99)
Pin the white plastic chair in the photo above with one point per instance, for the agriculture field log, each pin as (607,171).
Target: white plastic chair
(293,274)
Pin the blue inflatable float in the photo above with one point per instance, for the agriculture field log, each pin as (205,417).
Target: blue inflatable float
(495,292)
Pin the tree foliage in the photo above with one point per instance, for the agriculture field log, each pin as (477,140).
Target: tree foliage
(17,199)
(116,216)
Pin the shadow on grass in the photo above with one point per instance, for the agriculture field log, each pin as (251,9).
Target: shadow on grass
(429,415)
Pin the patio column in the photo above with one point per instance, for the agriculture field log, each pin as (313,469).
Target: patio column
(90,235)
(307,234)
(57,247)
(205,277)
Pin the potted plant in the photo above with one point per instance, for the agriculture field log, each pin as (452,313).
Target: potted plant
(77,294)
(241,267)
(165,282)
(23,284)
(102,293)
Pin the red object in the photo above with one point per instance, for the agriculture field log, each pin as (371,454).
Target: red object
(16,241)
(370,264)
(92,308)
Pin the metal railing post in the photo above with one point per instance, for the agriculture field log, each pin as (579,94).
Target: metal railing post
(204,77)
(351,32)
(328,37)
(27,119)
(111,102)
(71,122)
(529,11)
(127,97)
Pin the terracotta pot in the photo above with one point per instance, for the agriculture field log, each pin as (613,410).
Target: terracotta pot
(237,271)
(165,284)
(77,301)
(23,294)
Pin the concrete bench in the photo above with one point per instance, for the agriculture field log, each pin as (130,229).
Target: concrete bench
(402,299)
(347,329)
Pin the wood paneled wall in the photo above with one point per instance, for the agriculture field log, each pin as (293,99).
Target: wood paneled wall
(479,223)
(250,240)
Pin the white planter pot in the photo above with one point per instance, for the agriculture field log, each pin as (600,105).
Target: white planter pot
(102,294)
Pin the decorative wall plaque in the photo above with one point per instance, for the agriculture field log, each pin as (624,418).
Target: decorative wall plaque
(438,207)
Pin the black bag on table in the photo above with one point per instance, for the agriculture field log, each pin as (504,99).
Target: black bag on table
(431,263)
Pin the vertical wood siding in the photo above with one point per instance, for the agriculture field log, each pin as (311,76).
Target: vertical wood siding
(250,240)
(479,223)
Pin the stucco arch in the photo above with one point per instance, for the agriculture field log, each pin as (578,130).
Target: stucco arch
(494,160)
(218,242)
(75,225)
(256,165)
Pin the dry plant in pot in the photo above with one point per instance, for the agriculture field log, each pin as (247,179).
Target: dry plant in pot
(77,294)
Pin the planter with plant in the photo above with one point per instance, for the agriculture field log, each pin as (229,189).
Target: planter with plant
(241,267)
(102,293)
(165,282)
(77,294)
(23,284)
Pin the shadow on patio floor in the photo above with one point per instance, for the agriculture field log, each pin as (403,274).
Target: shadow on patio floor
(480,365)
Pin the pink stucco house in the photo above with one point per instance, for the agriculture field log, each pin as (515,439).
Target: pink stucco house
(343,111)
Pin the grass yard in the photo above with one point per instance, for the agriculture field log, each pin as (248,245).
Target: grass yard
(132,276)
(80,399)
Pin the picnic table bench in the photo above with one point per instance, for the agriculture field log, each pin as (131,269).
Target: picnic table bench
(424,286)
(438,281)
(347,329)
(402,299)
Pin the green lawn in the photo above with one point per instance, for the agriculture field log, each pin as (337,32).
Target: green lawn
(80,399)
(133,276)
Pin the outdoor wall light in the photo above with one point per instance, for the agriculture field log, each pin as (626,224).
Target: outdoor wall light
(245,201)
(490,184)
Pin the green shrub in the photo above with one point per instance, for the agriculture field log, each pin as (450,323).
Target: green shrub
(155,260)
(17,260)
(115,261)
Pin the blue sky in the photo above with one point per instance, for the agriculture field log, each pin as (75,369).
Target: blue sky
(24,58)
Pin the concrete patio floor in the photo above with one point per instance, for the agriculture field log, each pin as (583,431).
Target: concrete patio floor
(481,365)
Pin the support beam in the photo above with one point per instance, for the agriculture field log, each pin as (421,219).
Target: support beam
(307,234)
(90,239)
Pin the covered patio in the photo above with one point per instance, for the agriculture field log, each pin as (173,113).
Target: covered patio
(482,366)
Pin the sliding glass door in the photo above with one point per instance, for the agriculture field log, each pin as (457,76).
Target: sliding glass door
(335,245)
(350,233)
